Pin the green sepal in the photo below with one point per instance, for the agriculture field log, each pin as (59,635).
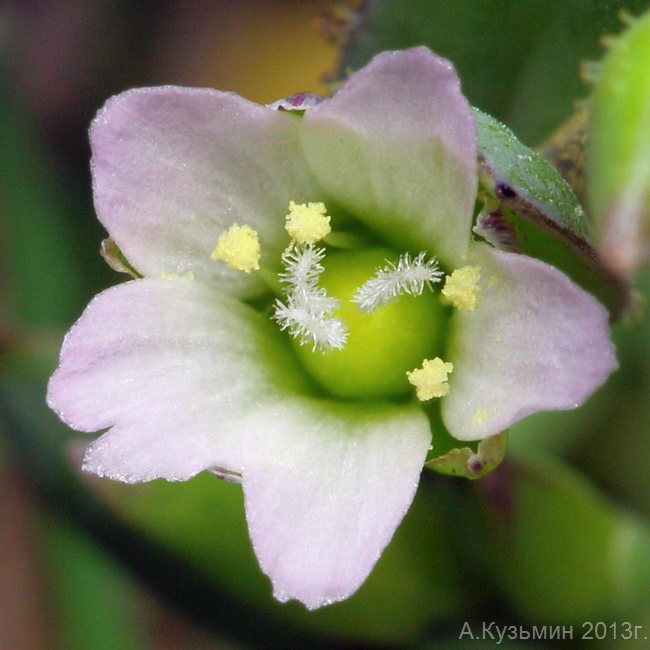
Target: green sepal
(538,211)
(115,258)
(472,463)
(523,180)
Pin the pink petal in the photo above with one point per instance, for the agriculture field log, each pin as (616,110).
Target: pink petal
(536,342)
(396,146)
(171,367)
(188,380)
(174,167)
(326,485)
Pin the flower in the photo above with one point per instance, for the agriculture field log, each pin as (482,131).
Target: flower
(197,365)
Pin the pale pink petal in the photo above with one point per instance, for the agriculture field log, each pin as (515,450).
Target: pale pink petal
(174,167)
(326,485)
(536,342)
(396,146)
(171,367)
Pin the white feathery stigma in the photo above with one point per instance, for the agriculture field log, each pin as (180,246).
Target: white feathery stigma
(307,313)
(407,276)
(309,326)
(302,267)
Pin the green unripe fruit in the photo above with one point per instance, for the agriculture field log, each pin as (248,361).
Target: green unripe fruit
(381,346)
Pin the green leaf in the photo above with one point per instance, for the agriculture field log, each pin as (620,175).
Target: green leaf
(618,163)
(43,277)
(95,605)
(519,61)
(562,551)
(532,210)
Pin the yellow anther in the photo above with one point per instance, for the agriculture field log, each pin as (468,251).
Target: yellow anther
(431,379)
(462,287)
(239,248)
(307,223)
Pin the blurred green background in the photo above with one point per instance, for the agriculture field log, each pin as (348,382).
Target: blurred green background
(557,536)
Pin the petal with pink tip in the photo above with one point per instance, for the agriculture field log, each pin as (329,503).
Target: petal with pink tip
(326,485)
(175,167)
(536,342)
(169,367)
(396,146)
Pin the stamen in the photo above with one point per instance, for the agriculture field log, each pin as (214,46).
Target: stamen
(307,223)
(407,276)
(431,379)
(239,248)
(462,287)
(308,311)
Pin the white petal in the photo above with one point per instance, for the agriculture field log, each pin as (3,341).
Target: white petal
(326,485)
(396,146)
(175,167)
(536,342)
(171,368)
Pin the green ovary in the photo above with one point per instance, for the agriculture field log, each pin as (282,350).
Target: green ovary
(381,346)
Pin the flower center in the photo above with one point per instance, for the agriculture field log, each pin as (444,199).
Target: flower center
(362,321)
(381,346)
